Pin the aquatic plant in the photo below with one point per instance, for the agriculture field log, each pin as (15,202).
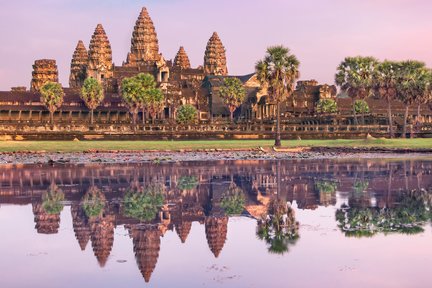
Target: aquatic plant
(409,215)
(143,204)
(278,228)
(52,200)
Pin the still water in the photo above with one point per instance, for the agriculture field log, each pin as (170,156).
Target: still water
(326,223)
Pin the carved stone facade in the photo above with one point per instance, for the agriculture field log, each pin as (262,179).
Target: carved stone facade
(215,62)
(100,56)
(182,60)
(79,65)
(44,70)
(144,43)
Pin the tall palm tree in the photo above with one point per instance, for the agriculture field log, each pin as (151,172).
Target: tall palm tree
(52,96)
(233,94)
(426,97)
(278,72)
(147,83)
(411,85)
(92,94)
(355,76)
(385,86)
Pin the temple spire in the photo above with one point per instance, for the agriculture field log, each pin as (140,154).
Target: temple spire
(100,55)
(79,66)
(215,62)
(182,60)
(144,43)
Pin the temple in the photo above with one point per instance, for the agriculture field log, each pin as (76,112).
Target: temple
(22,111)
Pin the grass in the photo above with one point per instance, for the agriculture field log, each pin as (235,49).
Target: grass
(70,146)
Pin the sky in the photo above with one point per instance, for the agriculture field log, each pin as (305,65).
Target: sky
(321,33)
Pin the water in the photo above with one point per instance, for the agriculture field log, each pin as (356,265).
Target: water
(348,223)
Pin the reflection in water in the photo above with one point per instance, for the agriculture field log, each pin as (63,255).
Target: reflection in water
(150,200)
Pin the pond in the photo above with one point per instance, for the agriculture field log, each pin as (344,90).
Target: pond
(302,223)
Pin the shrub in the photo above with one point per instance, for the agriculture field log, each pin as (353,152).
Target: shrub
(326,106)
(361,107)
(186,114)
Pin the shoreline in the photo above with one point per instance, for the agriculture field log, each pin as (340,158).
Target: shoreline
(189,155)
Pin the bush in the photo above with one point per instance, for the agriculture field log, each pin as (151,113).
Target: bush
(361,107)
(326,106)
(186,114)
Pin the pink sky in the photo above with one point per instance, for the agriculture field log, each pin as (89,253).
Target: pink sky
(320,32)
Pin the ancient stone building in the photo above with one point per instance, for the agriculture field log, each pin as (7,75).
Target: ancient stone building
(45,223)
(100,64)
(215,62)
(145,45)
(183,230)
(44,70)
(181,59)
(102,237)
(216,229)
(79,65)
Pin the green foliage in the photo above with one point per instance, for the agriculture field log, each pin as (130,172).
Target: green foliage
(355,76)
(413,81)
(325,186)
(386,79)
(360,186)
(361,107)
(186,114)
(52,95)
(93,203)
(278,72)
(140,92)
(408,216)
(232,93)
(144,204)
(92,93)
(187,182)
(233,201)
(52,200)
(326,106)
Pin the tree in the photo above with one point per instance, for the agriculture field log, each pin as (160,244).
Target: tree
(355,76)
(144,204)
(186,114)
(426,93)
(278,72)
(385,85)
(132,94)
(326,106)
(154,102)
(52,200)
(233,94)
(93,202)
(411,84)
(52,96)
(139,93)
(92,94)
(147,83)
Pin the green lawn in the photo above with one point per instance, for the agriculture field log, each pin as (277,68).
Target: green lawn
(70,146)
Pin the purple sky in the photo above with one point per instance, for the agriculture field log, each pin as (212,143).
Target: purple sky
(320,32)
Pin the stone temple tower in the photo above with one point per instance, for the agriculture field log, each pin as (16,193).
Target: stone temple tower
(44,70)
(144,43)
(215,62)
(100,56)
(182,60)
(79,66)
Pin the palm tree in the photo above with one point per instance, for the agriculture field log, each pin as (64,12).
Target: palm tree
(385,85)
(92,94)
(278,72)
(426,97)
(233,94)
(411,84)
(154,102)
(52,96)
(355,76)
(147,83)
(132,94)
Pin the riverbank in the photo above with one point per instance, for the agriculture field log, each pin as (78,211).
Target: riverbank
(408,145)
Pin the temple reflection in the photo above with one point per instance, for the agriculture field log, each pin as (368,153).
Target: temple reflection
(369,197)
